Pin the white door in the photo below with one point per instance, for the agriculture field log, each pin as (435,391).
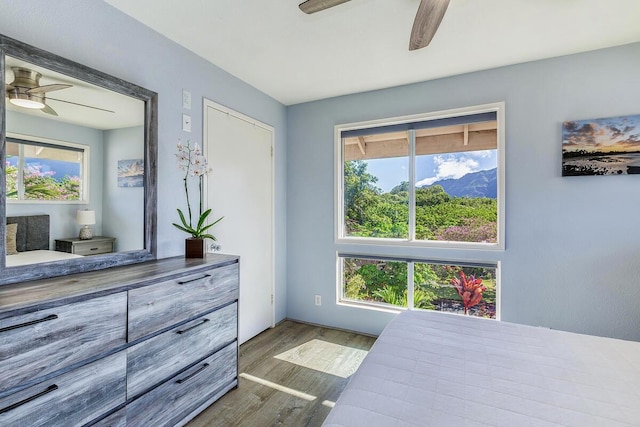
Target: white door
(240,188)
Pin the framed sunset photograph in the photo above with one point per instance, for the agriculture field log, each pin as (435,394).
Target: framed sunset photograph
(131,173)
(609,146)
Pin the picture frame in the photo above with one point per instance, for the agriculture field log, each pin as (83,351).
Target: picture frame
(606,146)
(131,173)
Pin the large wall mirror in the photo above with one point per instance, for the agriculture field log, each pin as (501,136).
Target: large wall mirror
(78,151)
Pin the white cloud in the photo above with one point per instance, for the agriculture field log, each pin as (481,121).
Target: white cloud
(450,167)
(482,154)
(426,181)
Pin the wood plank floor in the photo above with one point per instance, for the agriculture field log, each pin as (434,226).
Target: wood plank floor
(289,376)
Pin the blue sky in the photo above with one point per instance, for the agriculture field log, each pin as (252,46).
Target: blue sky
(431,168)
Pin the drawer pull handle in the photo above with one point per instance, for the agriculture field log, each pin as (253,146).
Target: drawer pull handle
(33,322)
(193,280)
(29,399)
(188,377)
(93,249)
(182,331)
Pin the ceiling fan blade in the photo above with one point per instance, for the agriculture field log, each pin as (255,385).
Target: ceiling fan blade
(49,110)
(428,18)
(313,6)
(81,105)
(48,88)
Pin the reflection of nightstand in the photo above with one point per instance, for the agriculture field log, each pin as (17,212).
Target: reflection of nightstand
(95,246)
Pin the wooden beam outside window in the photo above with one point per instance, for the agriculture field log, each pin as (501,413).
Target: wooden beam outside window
(362,145)
(449,139)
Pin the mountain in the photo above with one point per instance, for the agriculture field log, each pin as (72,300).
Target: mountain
(475,184)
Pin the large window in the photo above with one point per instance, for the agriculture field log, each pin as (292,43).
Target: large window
(431,180)
(414,284)
(38,171)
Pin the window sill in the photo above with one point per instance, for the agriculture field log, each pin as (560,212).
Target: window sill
(436,244)
(46,202)
(385,308)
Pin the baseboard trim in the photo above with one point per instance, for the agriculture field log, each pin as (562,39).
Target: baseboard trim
(318,325)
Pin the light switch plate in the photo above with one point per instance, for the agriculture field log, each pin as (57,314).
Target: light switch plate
(186,123)
(186,99)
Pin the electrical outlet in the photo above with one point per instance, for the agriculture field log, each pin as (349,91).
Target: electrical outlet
(318,300)
(186,123)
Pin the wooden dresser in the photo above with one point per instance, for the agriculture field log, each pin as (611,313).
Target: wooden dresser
(150,344)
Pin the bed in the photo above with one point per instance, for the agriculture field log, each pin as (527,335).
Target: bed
(32,242)
(438,369)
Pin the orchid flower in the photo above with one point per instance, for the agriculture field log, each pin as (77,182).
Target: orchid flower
(191,160)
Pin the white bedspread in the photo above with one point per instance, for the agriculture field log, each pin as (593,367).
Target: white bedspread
(434,369)
(36,257)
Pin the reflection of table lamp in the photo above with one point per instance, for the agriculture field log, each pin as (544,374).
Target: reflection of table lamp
(86,218)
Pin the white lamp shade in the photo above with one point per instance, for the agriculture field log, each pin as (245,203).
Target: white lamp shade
(86,217)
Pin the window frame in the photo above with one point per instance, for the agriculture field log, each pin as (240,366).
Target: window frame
(84,181)
(341,300)
(340,238)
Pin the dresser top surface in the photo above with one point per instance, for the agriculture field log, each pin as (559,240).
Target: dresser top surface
(77,240)
(18,297)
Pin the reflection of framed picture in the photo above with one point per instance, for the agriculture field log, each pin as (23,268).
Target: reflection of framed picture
(601,146)
(130,173)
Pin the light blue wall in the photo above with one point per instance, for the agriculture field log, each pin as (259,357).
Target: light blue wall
(95,34)
(123,207)
(62,216)
(572,255)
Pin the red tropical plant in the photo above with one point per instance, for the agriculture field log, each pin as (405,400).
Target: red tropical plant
(470,290)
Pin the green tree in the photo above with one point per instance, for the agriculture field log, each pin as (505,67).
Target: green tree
(386,281)
(359,190)
(431,196)
(371,213)
(39,185)
(403,187)
(354,286)
(11,176)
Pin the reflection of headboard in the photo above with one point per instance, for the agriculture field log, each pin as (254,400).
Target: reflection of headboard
(33,232)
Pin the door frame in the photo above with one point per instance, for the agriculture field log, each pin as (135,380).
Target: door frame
(206,104)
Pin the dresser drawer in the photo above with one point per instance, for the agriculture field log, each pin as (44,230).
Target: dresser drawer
(94,248)
(152,308)
(154,360)
(40,343)
(177,398)
(71,399)
(117,419)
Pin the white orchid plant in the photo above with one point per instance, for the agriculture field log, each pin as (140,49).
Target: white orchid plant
(194,164)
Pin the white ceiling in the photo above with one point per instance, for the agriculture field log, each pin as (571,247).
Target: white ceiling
(123,111)
(363,44)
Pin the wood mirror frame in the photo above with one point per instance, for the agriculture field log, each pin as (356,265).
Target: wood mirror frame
(17,49)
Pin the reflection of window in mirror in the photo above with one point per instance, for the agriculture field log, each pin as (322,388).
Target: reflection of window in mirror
(52,171)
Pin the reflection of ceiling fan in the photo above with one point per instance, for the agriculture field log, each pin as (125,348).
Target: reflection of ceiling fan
(25,91)
(428,18)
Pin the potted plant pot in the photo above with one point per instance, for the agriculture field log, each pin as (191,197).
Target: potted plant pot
(194,248)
